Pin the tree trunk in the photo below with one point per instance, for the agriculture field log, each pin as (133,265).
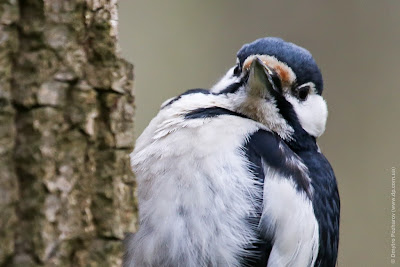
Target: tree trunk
(66,129)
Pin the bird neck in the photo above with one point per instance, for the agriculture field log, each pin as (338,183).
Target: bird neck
(300,140)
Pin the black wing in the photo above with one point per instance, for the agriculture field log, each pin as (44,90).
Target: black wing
(326,205)
(266,147)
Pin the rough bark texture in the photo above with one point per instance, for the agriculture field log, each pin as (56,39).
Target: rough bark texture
(66,129)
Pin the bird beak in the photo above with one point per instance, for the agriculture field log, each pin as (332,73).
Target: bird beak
(261,79)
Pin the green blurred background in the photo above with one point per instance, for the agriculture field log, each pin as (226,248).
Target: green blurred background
(178,45)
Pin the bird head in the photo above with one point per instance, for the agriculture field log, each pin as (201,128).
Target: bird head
(281,88)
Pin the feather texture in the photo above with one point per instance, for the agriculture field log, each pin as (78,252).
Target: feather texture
(218,189)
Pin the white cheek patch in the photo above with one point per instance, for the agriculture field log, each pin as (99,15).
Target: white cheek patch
(312,113)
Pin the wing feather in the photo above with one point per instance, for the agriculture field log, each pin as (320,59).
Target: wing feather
(287,227)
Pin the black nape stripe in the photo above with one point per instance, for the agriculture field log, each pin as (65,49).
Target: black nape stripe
(202,113)
(232,88)
(188,92)
(196,91)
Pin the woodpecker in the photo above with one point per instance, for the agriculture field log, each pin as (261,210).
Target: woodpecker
(233,176)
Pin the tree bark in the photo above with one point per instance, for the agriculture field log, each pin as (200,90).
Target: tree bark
(66,129)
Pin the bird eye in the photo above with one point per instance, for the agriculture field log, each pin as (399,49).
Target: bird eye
(302,92)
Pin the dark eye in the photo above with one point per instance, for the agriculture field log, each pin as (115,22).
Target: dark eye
(302,92)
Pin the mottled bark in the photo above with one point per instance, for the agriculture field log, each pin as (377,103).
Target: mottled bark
(66,129)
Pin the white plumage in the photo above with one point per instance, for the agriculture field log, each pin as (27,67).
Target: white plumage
(192,209)
(195,191)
